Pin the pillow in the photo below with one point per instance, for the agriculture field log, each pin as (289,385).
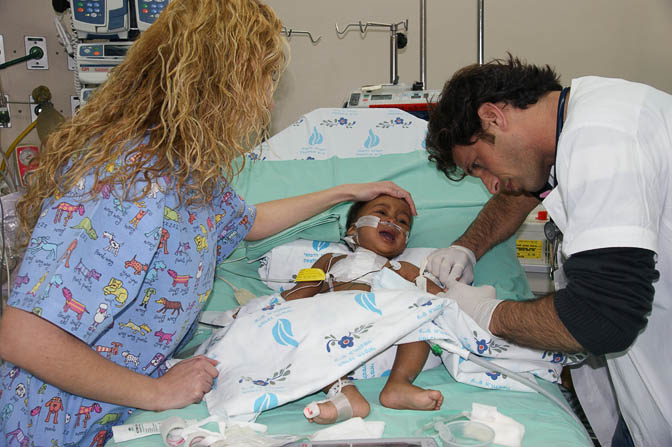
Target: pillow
(280,265)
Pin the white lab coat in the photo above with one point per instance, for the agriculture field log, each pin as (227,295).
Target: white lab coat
(614,190)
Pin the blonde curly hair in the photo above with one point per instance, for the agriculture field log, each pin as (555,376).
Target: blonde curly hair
(199,80)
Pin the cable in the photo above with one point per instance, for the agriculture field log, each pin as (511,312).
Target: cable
(535,386)
(4,259)
(9,181)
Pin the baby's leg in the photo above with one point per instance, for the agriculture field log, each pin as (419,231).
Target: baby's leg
(328,413)
(399,391)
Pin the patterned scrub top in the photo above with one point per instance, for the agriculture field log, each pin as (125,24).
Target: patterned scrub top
(129,279)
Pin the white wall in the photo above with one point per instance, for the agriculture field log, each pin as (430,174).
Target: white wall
(615,38)
(618,38)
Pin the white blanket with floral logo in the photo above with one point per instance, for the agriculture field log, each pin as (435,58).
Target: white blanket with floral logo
(278,351)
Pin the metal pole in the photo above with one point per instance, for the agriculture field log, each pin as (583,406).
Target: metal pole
(481,22)
(423,44)
(394,78)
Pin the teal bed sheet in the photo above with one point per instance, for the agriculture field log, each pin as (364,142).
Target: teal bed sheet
(545,423)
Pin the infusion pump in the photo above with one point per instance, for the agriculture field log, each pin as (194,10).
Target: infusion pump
(99,18)
(95,60)
(400,96)
(107,19)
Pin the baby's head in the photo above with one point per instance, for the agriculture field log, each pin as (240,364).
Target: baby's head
(381,225)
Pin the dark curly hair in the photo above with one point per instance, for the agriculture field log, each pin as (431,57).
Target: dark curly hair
(455,121)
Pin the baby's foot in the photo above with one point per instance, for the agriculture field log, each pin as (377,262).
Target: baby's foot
(329,415)
(406,396)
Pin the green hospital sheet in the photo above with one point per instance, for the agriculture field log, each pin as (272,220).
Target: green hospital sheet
(545,423)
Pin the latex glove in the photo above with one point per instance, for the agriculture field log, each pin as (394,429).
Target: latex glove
(477,302)
(455,263)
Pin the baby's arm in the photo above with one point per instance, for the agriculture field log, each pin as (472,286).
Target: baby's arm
(309,288)
(410,272)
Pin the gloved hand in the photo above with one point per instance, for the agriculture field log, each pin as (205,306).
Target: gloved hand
(455,263)
(477,302)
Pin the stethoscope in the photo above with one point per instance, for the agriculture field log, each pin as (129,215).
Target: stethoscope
(551,230)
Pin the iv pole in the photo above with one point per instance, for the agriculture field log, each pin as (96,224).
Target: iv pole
(481,23)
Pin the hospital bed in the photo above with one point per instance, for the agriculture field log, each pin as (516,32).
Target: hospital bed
(333,146)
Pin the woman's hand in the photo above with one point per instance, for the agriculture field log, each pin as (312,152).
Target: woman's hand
(277,215)
(185,383)
(363,192)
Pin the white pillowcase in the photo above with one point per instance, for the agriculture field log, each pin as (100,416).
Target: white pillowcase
(280,265)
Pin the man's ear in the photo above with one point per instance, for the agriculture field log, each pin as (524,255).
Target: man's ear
(492,116)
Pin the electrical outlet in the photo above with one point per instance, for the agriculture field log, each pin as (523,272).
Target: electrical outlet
(5,115)
(43,62)
(2,50)
(74,104)
(72,64)
(34,108)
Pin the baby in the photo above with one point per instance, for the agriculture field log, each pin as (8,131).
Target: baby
(377,231)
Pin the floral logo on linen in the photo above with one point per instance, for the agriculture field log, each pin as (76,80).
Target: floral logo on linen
(427,303)
(298,123)
(556,357)
(495,375)
(483,345)
(398,121)
(562,358)
(342,121)
(255,156)
(277,376)
(347,341)
(271,305)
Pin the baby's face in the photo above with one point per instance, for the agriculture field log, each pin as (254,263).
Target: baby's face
(385,240)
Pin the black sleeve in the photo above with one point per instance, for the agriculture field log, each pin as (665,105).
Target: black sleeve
(608,297)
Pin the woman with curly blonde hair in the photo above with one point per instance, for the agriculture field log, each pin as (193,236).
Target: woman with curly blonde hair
(127,216)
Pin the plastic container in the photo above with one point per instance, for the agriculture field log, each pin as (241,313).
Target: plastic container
(465,434)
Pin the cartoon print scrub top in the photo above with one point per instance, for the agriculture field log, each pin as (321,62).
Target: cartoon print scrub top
(128,278)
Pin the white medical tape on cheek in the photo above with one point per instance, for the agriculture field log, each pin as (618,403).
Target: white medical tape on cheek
(367,221)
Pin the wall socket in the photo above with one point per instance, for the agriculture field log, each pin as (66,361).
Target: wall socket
(5,113)
(43,62)
(2,50)
(74,104)
(33,108)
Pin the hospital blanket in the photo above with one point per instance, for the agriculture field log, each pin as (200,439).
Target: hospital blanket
(285,350)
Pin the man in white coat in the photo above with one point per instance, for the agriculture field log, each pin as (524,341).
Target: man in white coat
(599,155)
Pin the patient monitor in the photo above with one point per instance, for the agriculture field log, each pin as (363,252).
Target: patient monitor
(399,96)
